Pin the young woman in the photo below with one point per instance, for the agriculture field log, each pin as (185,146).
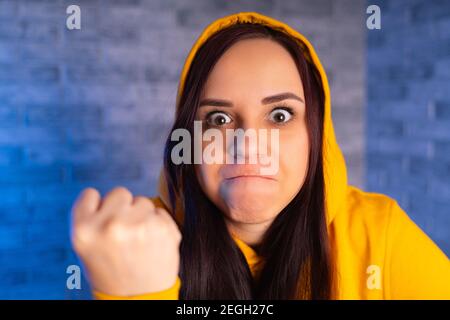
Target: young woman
(226,231)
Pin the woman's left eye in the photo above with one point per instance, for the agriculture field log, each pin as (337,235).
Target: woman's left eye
(280,115)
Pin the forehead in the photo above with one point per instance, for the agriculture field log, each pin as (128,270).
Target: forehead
(259,66)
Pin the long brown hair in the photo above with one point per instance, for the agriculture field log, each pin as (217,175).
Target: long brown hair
(295,248)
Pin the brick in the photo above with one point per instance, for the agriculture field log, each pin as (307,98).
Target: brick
(48,212)
(8,8)
(385,162)
(317,8)
(47,10)
(442,150)
(13,195)
(400,146)
(10,29)
(97,172)
(10,155)
(188,14)
(8,54)
(442,110)
(429,11)
(63,115)
(45,274)
(156,73)
(50,292)
(442,68)
(112,74)
(439,189)
(14,213)
(21,175)
(398,72)
(441,171)
(442,28)
(427,129)
(54,153)
(52,194)
(383,91)
(13,277)
(30,74)
(397,110)
(39,134)
(264,6)
(11,236)
(39,233)
(23,93)
(43,31)
(420,166)
(122,26)
(387,128)
(34,256)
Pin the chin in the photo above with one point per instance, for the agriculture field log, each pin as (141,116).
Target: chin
(251,217)
(250,200)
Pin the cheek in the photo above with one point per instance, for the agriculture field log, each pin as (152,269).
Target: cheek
(294,155)
(208,177)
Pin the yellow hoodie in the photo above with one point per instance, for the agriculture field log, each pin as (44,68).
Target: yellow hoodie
(379,252)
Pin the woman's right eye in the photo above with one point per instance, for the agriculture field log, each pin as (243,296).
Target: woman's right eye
(218,118)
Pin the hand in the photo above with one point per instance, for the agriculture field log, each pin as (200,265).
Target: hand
(127,246)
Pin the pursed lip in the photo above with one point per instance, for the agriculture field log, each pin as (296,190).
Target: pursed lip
(251,176)
(230,172)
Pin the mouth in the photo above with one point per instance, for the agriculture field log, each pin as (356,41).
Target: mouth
(250,176)
(246,171)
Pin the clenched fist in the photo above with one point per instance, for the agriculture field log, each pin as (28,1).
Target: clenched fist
(127,246)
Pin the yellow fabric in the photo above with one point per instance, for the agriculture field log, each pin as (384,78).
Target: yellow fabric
(379,252)
(168,294)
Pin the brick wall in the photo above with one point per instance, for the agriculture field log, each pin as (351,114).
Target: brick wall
(408,111)
(91,107)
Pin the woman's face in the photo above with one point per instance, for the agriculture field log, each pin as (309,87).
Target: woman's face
(234,97)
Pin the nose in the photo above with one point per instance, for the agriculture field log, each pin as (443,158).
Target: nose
(242,145)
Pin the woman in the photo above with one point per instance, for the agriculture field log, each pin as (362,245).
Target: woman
(299,233)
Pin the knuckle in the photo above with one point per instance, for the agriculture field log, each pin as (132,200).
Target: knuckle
(82,236)
(116,230)
(177,235)
(168,228)
(144,201)
(89,191)
(158,227)
(149,202)
(80,208)
(122,191)
(163,214)
(84,199)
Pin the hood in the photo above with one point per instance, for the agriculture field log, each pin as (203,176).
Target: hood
(335,173)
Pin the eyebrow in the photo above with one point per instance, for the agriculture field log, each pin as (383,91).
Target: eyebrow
(267,100)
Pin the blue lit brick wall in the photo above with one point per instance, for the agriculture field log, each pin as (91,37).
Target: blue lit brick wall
(408,111)
(91,108)
(78,108)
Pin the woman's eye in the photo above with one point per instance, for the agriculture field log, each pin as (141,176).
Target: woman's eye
(218,119)
(280,115)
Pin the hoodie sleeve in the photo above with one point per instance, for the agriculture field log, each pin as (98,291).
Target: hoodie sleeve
(168,294)
(415,266)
